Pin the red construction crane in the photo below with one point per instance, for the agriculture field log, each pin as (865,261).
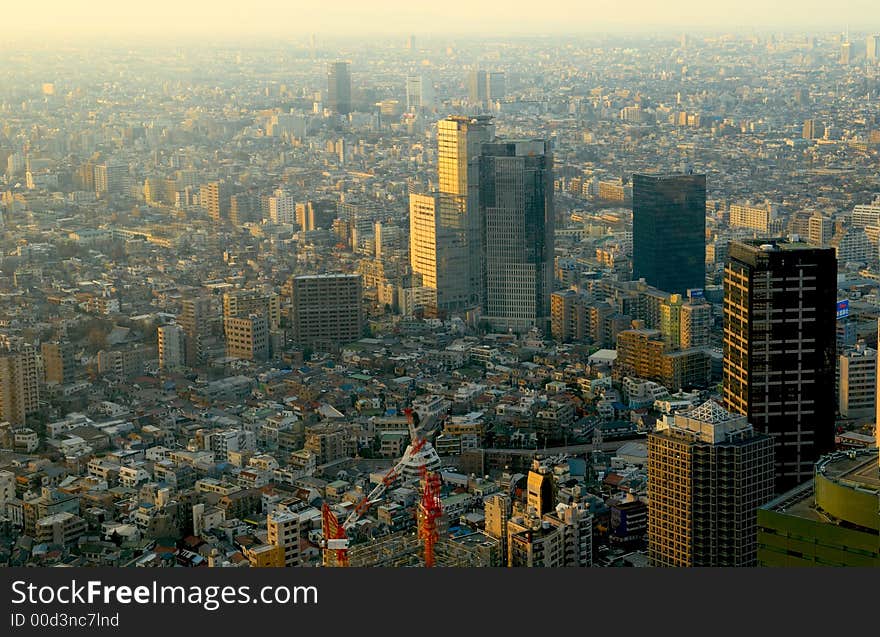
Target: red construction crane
(336,541)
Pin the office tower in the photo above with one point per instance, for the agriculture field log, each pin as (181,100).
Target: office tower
(305,216)
(779,345)
(516,204)
(419,92)
(857,381)
(819,229)
(326,310)
(195,318)
(214,198)
(496,86)
(282,207)
(247,337)
(172,346)
(59,365)
(708,472)
(459,142)
(284,529)
(846,53)
(112,179)
(872,48)
(812,129)
(339,88)
(478,86)
(439,248)
(19,383)
(669,231)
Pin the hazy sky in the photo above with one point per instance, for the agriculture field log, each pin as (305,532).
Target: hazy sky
(435,17)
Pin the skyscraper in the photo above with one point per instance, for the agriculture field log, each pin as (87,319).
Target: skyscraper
(708,472)
(439,248)
(339,88)
(459,143)
(669,231)
(516,206)
(419,92)
(779,348)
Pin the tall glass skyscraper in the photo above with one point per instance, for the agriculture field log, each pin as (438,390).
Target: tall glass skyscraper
(780,300)
(516,205)
(669,231)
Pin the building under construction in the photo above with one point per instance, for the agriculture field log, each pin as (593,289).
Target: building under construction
(406,549)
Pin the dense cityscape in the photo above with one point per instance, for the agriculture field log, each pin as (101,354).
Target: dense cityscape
(596,301)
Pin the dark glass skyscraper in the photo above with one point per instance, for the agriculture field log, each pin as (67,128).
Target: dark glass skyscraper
(780,301)
(516,205)
(339,88)
(669,231)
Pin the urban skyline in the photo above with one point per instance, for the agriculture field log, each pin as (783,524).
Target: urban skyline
(580,301)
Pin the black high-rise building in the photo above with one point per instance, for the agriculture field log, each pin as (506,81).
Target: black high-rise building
(339,88)
(669,231)
(780,301)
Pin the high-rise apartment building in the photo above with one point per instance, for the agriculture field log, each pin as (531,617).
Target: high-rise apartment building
(282,207)
(284,530)
(516,205)
(19,383)
(339,88)
(247,337)
(112,178)
(243,303)
(819,229)
(669,231)
(214,198)
(857,381)
(172,346)
(761,218)
(644,353)
(779,347)
(326,309)
(708,472)
(59,364)
(196,317)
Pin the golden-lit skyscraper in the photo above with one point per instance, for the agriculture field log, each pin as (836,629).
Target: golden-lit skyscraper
(453,215)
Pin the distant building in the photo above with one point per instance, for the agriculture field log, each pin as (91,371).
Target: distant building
(172,346)
(214,198)
(19,384)
(339,88)
(59,365)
